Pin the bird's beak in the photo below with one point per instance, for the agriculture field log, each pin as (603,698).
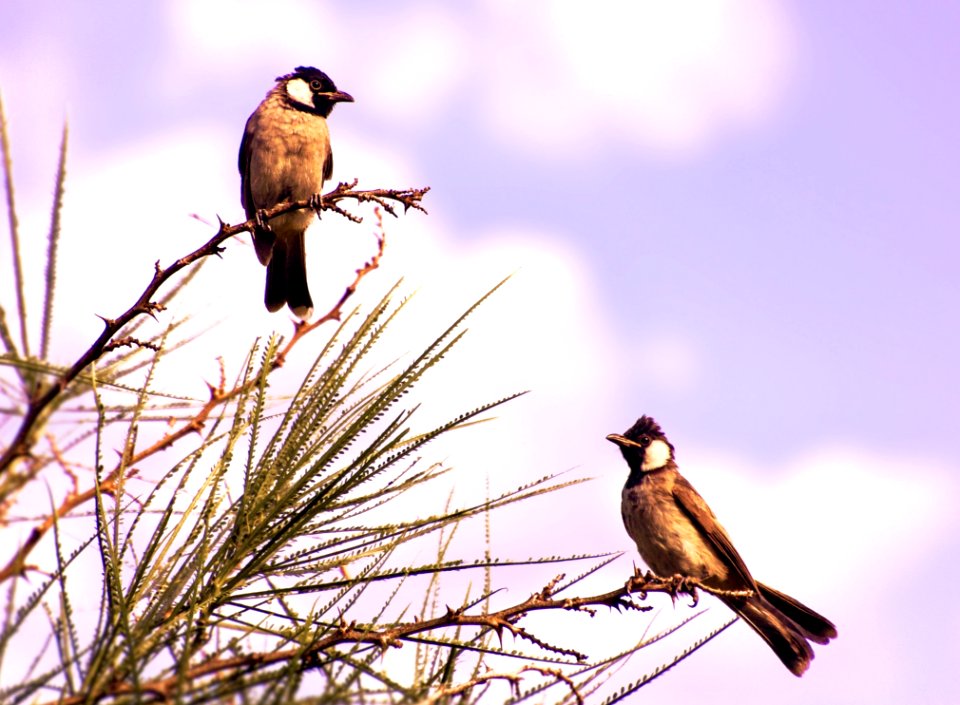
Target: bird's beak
(622,441)
(337,97)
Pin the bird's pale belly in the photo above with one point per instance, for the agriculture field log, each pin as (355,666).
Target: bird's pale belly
(668,543)
(290,168)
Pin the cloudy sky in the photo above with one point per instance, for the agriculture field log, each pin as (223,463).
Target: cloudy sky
(739,217)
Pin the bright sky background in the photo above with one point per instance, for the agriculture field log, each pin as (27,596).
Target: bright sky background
(739,217)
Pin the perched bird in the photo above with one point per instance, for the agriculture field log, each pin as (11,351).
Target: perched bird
(677,534)
(285,155)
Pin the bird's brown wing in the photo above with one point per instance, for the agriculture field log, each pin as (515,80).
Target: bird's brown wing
(263,239)
(243,163)
(328,165)
(695,508)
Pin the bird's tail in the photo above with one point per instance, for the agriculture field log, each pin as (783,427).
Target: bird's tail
(263,241)
(788,641)
(287,277)
(814,626)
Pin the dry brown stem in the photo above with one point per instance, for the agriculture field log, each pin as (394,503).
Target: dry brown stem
(394,636)
(43,397)
(17,564)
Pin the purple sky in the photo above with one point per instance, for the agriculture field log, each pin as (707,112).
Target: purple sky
(741,221)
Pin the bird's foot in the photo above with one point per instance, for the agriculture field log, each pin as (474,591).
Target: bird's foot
(316,202)
(639,581)
(683,583)
(260,217)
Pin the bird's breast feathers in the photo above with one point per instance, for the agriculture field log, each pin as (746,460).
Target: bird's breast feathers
(666,540)
(289,150)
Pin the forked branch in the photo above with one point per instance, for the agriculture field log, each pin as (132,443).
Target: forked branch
(145,305)
(224,669)
(17,564)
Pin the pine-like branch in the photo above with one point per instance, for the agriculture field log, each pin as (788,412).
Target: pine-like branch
(17,564)
(146,305)
(506,619)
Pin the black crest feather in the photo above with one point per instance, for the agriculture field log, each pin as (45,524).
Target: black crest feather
(645,426)
(308,73)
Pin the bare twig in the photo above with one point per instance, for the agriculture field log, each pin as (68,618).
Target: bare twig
(225,668)
(130,341)
(17,564)
(385,198)
(514,679)
(302,328)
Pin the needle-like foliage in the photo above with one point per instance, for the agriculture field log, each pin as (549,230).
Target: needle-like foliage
(294,546)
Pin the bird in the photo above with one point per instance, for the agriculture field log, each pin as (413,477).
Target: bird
(678,535)
(285,155)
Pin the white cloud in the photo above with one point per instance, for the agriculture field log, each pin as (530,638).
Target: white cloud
(543,331)
(36,112)
(550,79)
(670,363)
(834,527)
(427,61)
(670,77)
(240,34)
(841,528)
(831,516)
(401,62)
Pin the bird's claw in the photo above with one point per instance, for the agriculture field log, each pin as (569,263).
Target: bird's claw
(316,202)
(682,583)
(260,217)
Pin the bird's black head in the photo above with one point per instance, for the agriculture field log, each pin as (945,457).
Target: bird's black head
(644,446)
(312,90)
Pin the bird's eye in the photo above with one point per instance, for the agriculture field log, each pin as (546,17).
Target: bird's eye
(645,441)
(315,85)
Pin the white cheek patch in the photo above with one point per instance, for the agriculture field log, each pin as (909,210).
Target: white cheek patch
(657,455)
(299,90)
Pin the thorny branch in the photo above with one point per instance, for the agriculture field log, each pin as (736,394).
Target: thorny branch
(514,679)
(385,198)
(394,636)
(20,446)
